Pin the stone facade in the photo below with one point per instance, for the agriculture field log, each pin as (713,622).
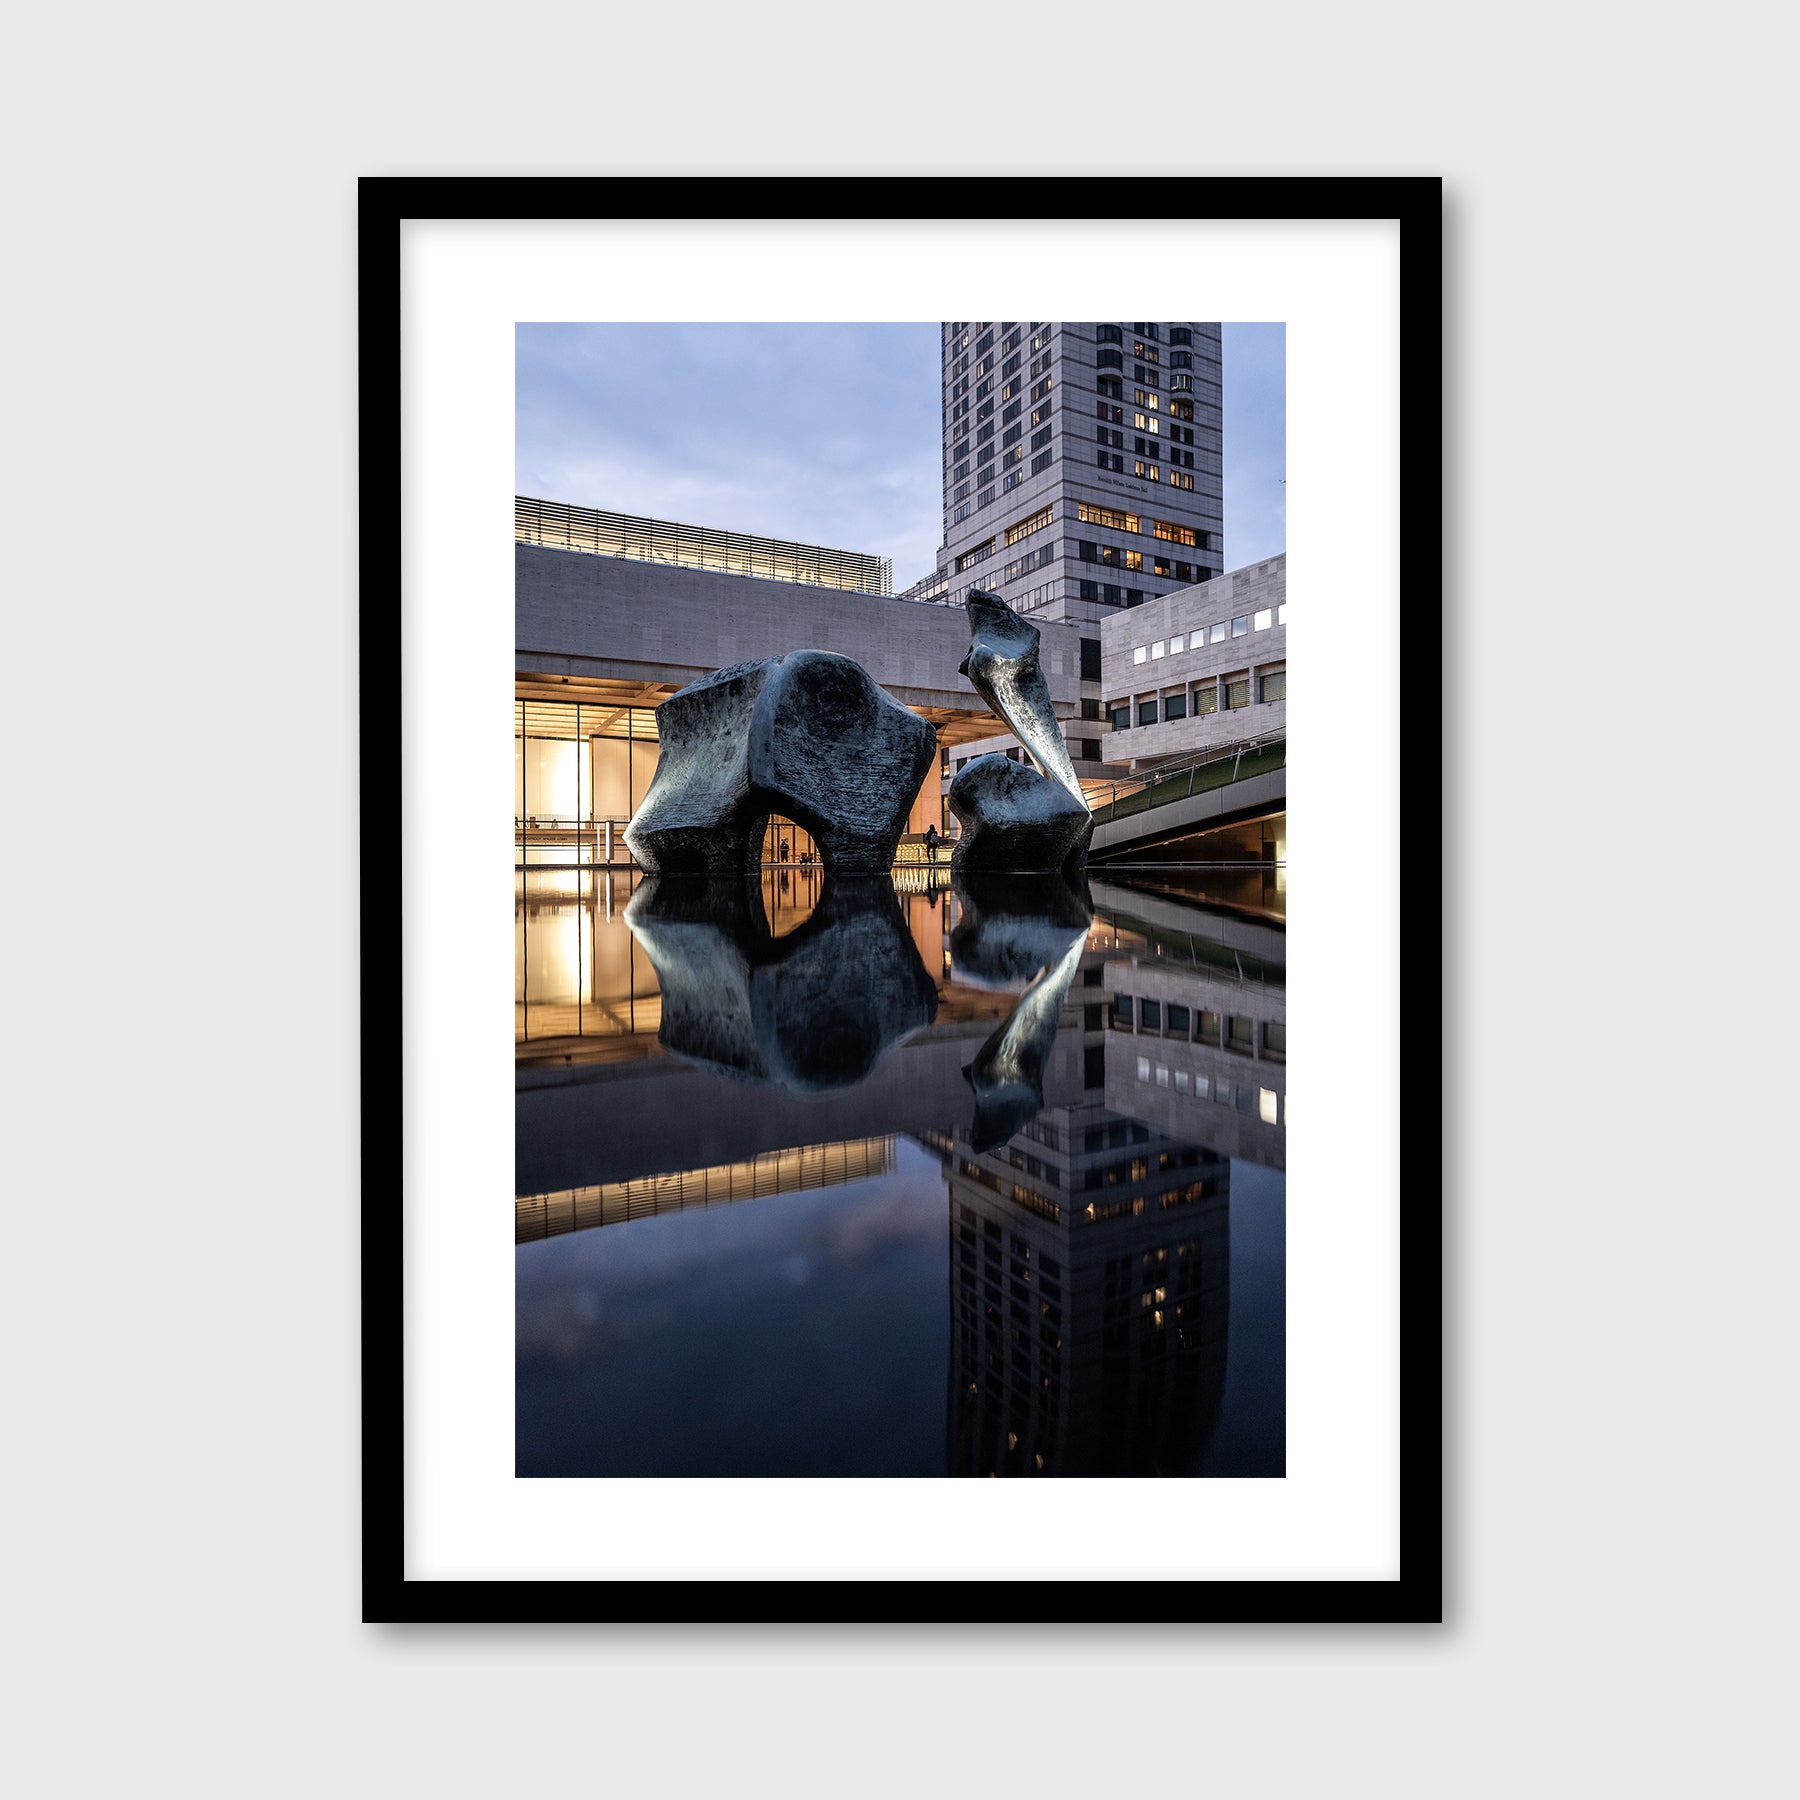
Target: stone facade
(1228,679)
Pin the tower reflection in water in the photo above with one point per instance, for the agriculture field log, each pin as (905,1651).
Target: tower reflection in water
(1090,1297)
(1089,1259)
(1090,1067)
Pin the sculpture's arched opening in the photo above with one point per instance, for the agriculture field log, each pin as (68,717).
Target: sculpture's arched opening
(793,872)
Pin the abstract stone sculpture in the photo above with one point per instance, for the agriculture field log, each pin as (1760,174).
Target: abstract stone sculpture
(1013,817)
(814,1010)
(808,735)
(1002,666)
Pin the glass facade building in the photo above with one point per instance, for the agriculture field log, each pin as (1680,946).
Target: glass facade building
(558,526)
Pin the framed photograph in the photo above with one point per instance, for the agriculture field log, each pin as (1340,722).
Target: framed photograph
(899,964)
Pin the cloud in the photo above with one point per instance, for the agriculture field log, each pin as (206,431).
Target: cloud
(825,434)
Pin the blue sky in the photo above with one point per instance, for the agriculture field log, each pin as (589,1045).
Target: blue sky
(827,434)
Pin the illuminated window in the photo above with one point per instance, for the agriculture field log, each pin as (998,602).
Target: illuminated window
(1025,527)
(1134,559)
(1177,479)
(1147,471)
(1156,650)
(1107,515)
(1264,619)
(1138,655)
(1143,1068)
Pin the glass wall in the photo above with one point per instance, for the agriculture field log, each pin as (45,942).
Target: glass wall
(576,768)
(563,527)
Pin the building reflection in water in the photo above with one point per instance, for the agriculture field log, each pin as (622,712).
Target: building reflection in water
(1090,1267)
(786,1171)
(1116,1050)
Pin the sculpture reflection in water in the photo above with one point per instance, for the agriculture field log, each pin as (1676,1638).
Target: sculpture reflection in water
(1012,929)
(813,1010)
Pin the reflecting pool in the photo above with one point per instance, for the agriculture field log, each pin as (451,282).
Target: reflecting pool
(899,1177)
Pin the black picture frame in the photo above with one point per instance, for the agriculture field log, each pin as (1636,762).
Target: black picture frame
(1416,204)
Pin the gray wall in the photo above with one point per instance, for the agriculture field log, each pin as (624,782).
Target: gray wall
(609,617)
(1241,594)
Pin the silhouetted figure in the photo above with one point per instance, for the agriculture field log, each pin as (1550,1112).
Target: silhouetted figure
(931,843)
(784,850)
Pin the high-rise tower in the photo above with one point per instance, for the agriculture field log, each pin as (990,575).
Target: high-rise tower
(1083,475)
(1082,464)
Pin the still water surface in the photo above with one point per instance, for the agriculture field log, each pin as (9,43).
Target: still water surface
(839,1179)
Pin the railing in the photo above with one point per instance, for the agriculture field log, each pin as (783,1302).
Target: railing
(559,526)
(913,849)
(1191,775)
(597,843)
